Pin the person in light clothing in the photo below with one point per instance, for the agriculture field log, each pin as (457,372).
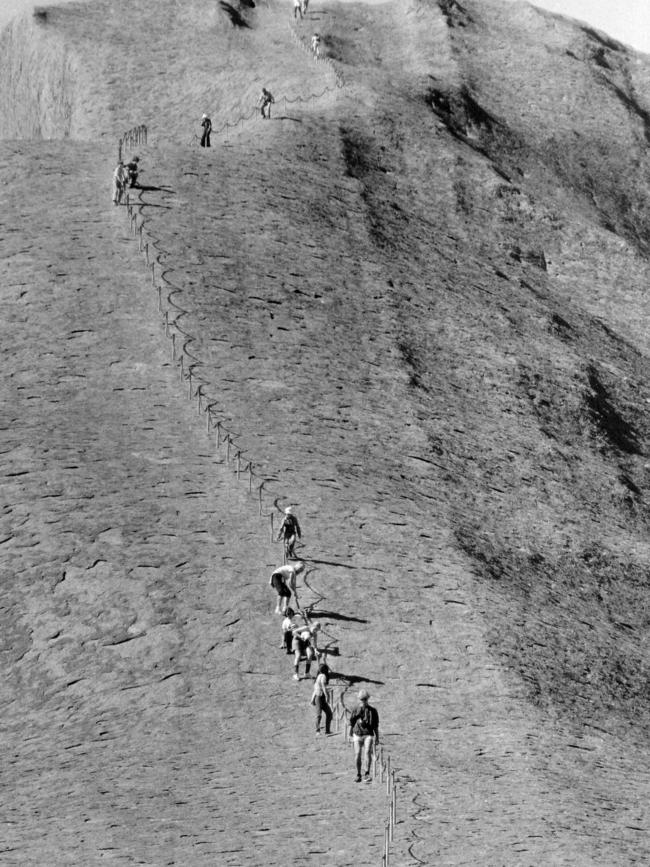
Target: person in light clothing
(319,698)
(120,179)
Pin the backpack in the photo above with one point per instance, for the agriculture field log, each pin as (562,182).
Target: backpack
(363,725)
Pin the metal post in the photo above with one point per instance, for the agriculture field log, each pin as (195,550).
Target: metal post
(388,775)
(218,433)
(261,486)
(173,346)
(166,323)
(250,477)
(160,305)
(153,276)
(208,419)
(387,842)
(189,379)
(238,464)
(227,448)
(271,526)
(146,252)
(198,392)
(140,238)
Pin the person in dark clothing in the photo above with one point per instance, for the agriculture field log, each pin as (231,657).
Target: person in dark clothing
(206,123)
(265,102)
(364,731)
(133,168)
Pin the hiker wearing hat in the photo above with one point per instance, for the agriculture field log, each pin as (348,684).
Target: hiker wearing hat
(283,581)
(133,168)
(206,123)
(364,731)
(120,177)
(290,532)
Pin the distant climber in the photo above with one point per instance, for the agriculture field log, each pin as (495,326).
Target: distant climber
(364,730)
(297,9)
(133,169)
(303,6)
(315,44)
(120,178)
(266,99)
(290,532)
(289,623)
(206,123)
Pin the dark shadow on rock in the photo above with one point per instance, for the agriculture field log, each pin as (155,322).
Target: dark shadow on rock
(236,18)
(144,189)
(333,563)
(351,679)
(286,117)
(333,615)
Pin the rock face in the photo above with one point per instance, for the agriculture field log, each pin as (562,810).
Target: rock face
(415,300)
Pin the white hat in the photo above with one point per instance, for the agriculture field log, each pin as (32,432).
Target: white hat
(288,510)
(204,117)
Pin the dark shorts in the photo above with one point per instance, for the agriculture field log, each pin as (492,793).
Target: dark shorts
(279,586)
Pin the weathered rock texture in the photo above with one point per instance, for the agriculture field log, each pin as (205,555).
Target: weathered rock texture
(417,302)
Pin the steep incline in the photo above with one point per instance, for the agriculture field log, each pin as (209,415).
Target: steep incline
(387,303)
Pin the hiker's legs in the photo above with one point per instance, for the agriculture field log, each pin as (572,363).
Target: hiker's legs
(309,655)
(357,741)
(367,752)
(327,710)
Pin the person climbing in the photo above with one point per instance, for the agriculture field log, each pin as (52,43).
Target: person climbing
(297,9)
(133,169)
(315,44)
(266,99)
(364,731)
(120,177)
(305,647)
(206,123)
(303,7)
(283,581)
(319,698)
(290,532)
(288,625)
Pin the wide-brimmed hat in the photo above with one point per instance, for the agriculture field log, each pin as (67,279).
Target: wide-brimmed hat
(364,695)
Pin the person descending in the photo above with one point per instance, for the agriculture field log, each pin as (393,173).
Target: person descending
(297,9)
(364,731)
(290,532)
(319,698)
(266,100)
(133,169)
(206,123)
(315,44)
(120,178)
